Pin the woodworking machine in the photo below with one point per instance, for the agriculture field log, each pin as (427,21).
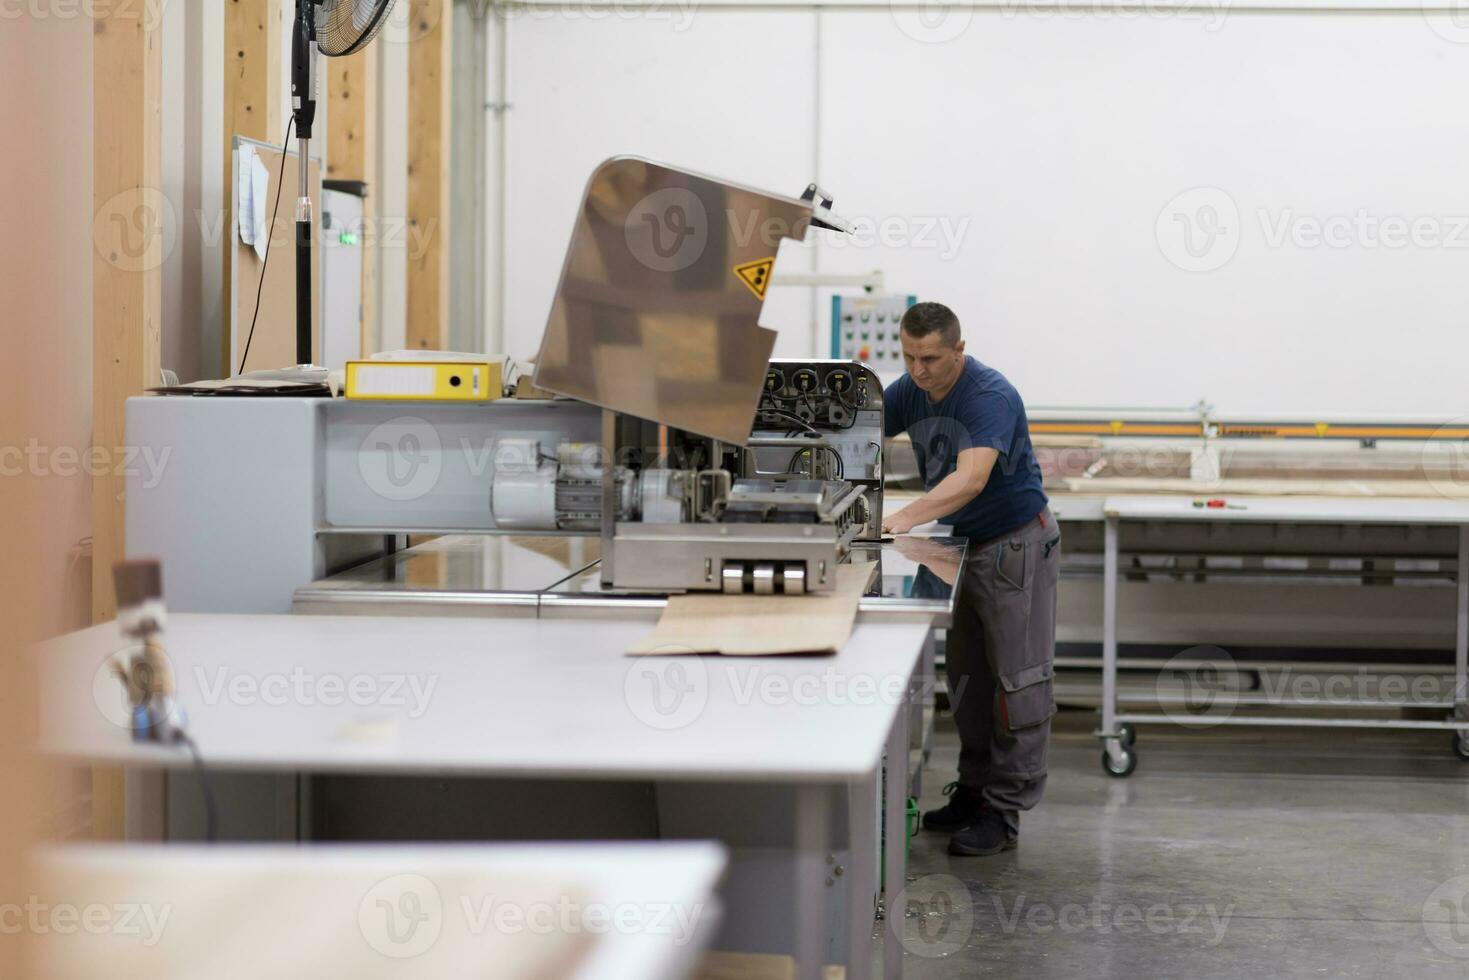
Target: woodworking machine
(702,463)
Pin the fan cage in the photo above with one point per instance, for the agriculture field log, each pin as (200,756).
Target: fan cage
(344,27)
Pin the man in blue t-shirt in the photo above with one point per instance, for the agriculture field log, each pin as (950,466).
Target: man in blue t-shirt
(970,436)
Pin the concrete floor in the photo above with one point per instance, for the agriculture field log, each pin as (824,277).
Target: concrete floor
(1229,853)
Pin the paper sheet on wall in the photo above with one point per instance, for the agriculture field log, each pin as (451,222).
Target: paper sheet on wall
(760,625)
(260,180)
(245,191)
(254,190)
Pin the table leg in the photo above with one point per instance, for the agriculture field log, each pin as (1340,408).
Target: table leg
(145,805)
(863,807)
(923,696)
(1109,642)
(895,856)
(1461,635)
(812,821)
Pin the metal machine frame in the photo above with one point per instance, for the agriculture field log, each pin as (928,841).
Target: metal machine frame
(750,523)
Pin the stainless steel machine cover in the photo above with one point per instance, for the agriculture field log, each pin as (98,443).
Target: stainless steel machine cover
(652,318)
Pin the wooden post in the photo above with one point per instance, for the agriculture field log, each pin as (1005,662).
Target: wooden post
(430,67)
(351,154)
(133,228)
(252,108)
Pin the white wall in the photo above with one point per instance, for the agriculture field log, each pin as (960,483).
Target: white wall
(1027,166)
(726,93)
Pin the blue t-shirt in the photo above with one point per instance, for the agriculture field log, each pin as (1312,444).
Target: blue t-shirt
(982,410)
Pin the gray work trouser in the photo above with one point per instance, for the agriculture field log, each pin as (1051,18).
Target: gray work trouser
(1001,657)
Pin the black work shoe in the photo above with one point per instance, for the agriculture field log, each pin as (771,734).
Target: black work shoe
(988,834)
(963,808)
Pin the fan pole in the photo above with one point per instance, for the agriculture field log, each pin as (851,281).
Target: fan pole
(303,91)
(303,264)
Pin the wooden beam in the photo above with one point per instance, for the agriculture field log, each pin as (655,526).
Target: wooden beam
(351,154)
(252,107)
(133,222)
(430,68)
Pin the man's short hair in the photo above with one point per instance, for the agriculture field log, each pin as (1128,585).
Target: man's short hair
(924,319)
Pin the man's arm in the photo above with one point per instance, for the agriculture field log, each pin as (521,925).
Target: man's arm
(971,473)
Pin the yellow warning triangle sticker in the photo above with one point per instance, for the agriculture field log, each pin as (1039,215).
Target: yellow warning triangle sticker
(756,275)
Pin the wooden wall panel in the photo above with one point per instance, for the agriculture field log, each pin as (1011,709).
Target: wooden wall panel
(430,67)
(131,228)
(252,105)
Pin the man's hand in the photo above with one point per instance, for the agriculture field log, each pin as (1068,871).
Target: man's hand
(899,523)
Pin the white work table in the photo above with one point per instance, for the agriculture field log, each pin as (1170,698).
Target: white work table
(511,697)
(528,699)
(249,911)
(1117,735)
(1291,510)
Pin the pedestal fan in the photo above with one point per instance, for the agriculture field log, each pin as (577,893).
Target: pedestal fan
(335,28)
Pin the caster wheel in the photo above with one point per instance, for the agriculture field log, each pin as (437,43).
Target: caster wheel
(1129,735)
(1122,771)
(1461,746)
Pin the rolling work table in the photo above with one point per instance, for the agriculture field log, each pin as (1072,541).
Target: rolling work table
(1119,756)
(389,910)
(466,697)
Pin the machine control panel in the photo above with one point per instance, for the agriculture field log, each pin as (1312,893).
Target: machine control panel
(866,329)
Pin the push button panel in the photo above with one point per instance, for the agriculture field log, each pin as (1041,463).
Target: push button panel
(868,329)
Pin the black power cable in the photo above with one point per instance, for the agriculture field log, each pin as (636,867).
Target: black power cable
(792,417)
(265,262)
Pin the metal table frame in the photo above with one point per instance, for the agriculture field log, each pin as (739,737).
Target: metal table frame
(1119,757)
